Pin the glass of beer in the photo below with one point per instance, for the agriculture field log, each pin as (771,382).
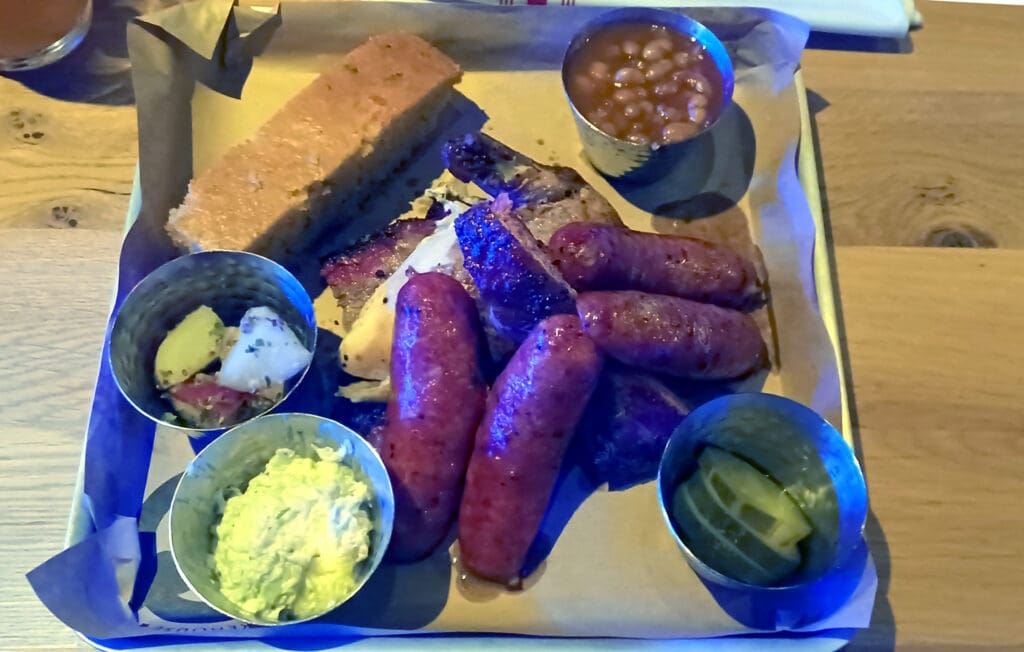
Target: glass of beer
(35,33)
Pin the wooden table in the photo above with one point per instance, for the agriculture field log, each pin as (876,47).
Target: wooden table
(921,148)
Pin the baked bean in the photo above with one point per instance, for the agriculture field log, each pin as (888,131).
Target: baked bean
(666,89)
(674,132)
(697,114)
(606,126)
(599,114)
(622,125)
(658,70)
(632,111)
(656,49)
(583,85)
(631,49)
(599,70)
(697,82)
(628,76)
(670,113)
(624,96)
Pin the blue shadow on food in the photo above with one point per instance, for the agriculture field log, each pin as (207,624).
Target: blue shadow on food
(810,459)
(711,178)
(316,390)
(320,389)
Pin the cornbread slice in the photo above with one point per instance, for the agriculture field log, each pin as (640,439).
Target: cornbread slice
(322,153)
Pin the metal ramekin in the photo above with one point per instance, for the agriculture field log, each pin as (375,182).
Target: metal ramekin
(622,159)
(237,456)
(804,453)
(229,282)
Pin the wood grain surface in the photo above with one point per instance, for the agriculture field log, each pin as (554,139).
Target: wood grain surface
(54,309)
(925,147)
(64,164)
(920,147)
(936,355)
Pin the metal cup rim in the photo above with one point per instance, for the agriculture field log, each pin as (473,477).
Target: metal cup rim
(135,292)
(388,490)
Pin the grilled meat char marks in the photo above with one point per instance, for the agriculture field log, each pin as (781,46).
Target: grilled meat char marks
(355,275)
(498,169)
(642,300)
(626,426)
(546,196)
(517,281)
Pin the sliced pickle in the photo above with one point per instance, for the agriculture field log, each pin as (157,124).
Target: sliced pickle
(755,500)
(707,544)
(776,564)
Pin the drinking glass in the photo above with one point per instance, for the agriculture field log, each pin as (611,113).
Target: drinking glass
(35,33)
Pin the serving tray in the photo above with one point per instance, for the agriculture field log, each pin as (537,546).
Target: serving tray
(820,384)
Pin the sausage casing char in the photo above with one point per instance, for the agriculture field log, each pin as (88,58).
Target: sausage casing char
(531,414)
(602,257)
(671,335)
(436,402)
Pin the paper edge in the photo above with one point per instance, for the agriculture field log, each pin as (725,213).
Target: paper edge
(807,172)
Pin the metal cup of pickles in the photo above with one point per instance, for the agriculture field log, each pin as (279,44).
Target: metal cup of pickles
(644,85)
(310,548)
(767,503)
(208,291)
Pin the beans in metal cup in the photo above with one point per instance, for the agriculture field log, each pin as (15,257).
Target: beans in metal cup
(231,462)
(229,282)
(643,86)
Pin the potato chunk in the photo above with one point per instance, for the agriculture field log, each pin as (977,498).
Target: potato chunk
(189,347)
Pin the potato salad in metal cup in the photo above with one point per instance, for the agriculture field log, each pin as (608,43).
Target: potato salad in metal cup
(281,519)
